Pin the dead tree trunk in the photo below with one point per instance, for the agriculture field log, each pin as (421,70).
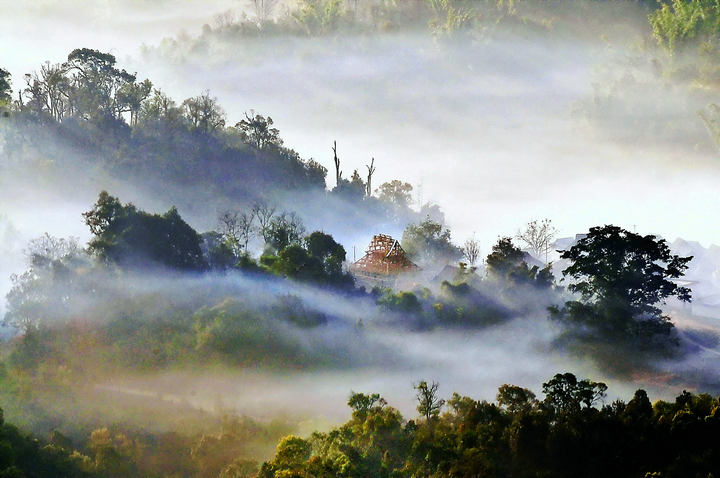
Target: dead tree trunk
(371,170)
(338,173)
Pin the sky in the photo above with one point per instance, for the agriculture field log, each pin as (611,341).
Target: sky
(497,133)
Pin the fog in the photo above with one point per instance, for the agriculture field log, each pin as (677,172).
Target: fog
(497,131)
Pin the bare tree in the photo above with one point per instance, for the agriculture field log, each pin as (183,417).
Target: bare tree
(237,229)
(245,228)
(429,404)
(471,251)
(228,223)
(47,249)
(224,19)
(338,173)
(264,214)
(371,171)
(537,236)
(263,9)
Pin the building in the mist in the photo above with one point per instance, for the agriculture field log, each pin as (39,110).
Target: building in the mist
(383,261)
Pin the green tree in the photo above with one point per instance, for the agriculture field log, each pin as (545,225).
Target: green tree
(450,16)
(565,394)
(324,247)
(622,277)
(319,16)
(679,23)
(42,291)
(49,91)
(125,235)
(353,190)
(160,107)
(506,263)
(130,97)
(395,193)
(285,229)
(504,258)
(361,404)
(516,399)
(95,83)
(5,87)
(429,242)
(204,113)
(258,131)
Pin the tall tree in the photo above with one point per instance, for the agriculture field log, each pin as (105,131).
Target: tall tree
(565,394)
(506,263)
(258,131)
(95,83)
(264,214)
(471,251)
(622,277)
(396,193)
(429,242)
(5,87)
(538,236)
(127,236)
(429,405)
(130,98)
(263,9)
(204,113)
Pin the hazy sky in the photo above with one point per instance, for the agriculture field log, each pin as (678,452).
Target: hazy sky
(491,130)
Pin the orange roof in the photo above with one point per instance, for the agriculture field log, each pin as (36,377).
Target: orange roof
(384,256)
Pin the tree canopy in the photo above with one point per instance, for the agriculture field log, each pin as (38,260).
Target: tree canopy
(622,279)
(125,235)
(429,242)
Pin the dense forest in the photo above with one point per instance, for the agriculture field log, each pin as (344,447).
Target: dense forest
(200,330)
(570,432)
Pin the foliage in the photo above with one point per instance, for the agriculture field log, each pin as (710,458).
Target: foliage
(258,131)
(204,113)
(404,301)
(564,394)
(353,190)
(319,16)
(43,290)
(126,235)
(22,456)
(569,433)
(450,16)
(428,242)
(324,247)
(622,277)
(679,23)
(506,263)
(395,193)
(429,404)
(5,87)
(285,229)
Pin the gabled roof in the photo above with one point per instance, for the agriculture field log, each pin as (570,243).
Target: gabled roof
(384,256)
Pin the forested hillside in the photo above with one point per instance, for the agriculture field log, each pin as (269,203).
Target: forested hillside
(181,296)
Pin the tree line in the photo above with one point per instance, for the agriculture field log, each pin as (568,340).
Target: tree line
(572,431)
